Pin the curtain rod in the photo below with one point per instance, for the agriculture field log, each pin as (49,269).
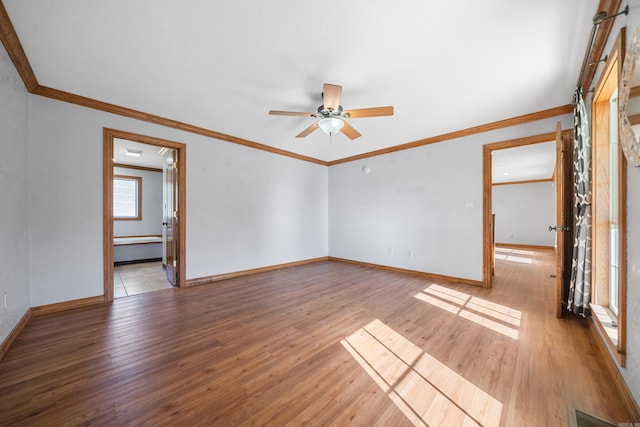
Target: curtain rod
(598,19)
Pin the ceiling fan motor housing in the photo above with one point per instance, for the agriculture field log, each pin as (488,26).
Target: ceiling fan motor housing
(327,113)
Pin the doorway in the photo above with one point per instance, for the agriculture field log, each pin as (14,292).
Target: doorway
(144,211)
(523,199)
(489,221)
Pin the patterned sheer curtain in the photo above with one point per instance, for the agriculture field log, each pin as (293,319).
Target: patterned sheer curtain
(580,285)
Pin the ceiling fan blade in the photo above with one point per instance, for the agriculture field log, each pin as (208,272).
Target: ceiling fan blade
(308,130)
(350,131)
(369,112)
(289,113)
(331,96)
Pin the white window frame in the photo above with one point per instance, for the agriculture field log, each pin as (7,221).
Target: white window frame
(135,198)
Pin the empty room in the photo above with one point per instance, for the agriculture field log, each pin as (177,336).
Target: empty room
(295,213)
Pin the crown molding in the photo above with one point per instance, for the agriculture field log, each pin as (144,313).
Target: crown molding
(12,44)
(514,121)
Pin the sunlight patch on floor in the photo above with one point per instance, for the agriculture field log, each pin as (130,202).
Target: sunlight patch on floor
(505,254)
(499,318)
(519,259)
(497,311)
(427,392)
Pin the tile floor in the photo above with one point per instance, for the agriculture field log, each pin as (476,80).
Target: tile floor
(136,279)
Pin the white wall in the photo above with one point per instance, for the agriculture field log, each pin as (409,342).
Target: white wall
(524,213)
(631,373)
(254,209)
(14,195)
(245,208)
(151,222)
(426,199)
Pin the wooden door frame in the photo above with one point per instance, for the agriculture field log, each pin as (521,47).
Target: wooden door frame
(565,201)
(487,191)
(107,173)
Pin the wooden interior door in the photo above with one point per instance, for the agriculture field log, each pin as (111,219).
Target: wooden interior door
(564,216)
(493,244)
(170,220)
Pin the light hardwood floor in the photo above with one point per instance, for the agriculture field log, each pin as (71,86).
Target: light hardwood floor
(320,344)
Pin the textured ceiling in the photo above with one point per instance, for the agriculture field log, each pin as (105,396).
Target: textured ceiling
(223,65)
(529,162)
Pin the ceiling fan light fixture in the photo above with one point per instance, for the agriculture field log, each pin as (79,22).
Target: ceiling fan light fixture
(331,125)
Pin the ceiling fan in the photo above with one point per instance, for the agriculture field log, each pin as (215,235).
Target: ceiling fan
(332,116)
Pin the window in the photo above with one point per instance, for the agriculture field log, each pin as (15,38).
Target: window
(608,207)
(614,241)
(127,197)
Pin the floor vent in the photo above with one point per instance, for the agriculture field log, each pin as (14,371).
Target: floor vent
(578,418)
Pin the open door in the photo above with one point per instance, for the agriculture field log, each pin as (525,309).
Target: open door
(564,218)
(489,219)
(170,215)
(177,177)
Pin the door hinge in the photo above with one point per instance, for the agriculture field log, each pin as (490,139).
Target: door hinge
(175,263)
(175,165)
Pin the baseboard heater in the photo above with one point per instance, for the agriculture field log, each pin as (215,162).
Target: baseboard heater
(578,418)
(136,261)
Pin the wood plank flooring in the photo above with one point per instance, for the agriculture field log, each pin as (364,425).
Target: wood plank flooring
(319,344)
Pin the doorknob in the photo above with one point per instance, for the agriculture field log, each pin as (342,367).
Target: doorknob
(559,228)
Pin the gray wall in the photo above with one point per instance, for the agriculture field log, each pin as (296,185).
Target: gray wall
(427,200)
(245,208)
(14,192)
(631,372)
(524,213)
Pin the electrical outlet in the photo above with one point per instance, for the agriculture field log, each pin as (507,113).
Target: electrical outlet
(410,253)
(390,251)
(4,297)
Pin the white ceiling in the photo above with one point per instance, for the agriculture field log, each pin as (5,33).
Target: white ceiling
(223,65)
(529,162)
(150,157)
